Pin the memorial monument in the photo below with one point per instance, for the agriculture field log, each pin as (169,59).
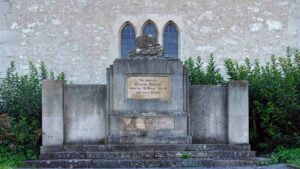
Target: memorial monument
(146,116)
(147,97)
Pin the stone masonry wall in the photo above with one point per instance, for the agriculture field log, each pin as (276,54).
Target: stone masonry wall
(81,37)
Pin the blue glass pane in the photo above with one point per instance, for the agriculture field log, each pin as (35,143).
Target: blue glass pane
(150,29)
(171,41)
(127,40)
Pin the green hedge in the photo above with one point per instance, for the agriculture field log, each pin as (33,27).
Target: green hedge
(274,90)
(20,109)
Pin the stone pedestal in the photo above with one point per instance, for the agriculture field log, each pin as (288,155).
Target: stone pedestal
(147,102)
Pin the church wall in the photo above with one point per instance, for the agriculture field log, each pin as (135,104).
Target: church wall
(81,37)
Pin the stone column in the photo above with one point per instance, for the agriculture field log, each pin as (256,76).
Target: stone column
(52,113)
(237,112)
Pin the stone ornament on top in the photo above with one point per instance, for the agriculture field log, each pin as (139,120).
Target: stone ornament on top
(147,47)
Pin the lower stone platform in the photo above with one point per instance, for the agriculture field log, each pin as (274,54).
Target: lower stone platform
(144,156)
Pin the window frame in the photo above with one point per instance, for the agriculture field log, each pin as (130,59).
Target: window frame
(121,39)
(178,37)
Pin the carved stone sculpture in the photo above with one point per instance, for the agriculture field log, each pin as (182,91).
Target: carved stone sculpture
(147,47)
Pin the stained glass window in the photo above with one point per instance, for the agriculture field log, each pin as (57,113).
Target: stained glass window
(127,40)
(150,29)
(171,40)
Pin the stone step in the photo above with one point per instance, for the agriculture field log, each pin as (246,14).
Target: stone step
(147,154)
(146,147)
(158,139)
(88,163)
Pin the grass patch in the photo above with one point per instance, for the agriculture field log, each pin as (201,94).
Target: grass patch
(288,156)
(184,155)
(11,161)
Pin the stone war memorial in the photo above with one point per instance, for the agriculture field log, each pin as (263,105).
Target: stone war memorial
(148,115)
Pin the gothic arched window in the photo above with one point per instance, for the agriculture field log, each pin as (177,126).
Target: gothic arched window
(127,40)
(150,29)
(171,40)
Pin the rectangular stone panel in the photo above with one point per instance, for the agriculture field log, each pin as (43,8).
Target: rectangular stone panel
(148,123)
(84,108)
(148,87)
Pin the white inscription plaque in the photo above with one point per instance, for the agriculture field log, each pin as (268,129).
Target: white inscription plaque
(148,87)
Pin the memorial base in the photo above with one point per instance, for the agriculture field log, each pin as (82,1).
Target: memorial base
(148,128)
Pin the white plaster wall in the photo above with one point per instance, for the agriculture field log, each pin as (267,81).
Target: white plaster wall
(81,37)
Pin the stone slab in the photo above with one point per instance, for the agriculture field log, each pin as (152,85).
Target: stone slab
(238,129)
(238,112)
(145,147)
(84,114)
(128,163)
(52,113)
(146,154)
(208,114)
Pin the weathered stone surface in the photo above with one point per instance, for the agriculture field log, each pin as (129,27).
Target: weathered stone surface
(52,113)
(145,147)
(5,7)
(147,123)
(238,112)
(84,34)
(156,163)
(147,155)
(84,114)
(220,114)
(208,114)
(8,36)
(73,114)
(296,12)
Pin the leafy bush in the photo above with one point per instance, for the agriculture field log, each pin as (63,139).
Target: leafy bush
(200,76)
(9,159)
(274,100)
(274,97)
(20,109)
(288,156)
